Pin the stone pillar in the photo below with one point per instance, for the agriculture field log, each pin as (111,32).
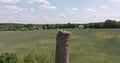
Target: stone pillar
(62,47)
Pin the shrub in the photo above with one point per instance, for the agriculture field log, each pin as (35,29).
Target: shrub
(41,56)
(8,58)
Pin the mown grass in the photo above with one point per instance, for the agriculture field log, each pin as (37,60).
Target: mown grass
(86,46)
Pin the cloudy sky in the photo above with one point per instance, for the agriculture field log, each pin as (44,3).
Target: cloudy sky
(58,11)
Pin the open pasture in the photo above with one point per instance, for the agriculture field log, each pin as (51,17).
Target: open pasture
(86,46)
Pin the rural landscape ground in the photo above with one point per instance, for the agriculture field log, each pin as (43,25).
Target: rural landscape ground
(86,45)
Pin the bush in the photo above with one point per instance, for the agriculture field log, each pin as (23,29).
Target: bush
(38,57)
(34,56)
(8,58)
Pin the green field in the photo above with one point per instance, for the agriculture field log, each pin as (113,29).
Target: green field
(86,46)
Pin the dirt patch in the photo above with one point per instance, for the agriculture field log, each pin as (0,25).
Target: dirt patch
(107,35)
(98,57)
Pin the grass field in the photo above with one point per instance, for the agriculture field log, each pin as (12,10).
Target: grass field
(86,46)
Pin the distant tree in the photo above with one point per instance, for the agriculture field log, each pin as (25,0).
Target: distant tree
(91,25)
(44,27)
(69,25)
(47,26)
(109,24)
(118,24)
(56,26)
(30,26)
(98,25)
(85,26)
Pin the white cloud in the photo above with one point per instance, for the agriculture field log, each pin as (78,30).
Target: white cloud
(30,1)
(39,1)
(32,10)
(114,0)
(90,10)
(48,7)
(27,1)
(31,16)
(22,15)
(15,9)
(72,10)
(9,1)
(48,18)
(62,15)
(104,7)
(45,17)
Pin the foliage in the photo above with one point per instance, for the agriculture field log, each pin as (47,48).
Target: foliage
(8,58)
(18,27)
(106,24)
(109,24)
(41,56)
(31,57)
(24,27)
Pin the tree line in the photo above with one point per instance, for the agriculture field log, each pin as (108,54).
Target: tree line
(106,24)
(25,27)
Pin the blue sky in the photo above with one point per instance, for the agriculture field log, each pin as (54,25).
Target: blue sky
(58,11)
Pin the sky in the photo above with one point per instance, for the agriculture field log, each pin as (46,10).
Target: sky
(58,11)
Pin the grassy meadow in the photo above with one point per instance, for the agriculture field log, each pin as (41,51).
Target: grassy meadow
(86,46)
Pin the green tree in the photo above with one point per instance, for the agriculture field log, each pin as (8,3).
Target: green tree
(109,24)
(30,26)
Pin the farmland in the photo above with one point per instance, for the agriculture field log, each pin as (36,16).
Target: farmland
(86,46)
